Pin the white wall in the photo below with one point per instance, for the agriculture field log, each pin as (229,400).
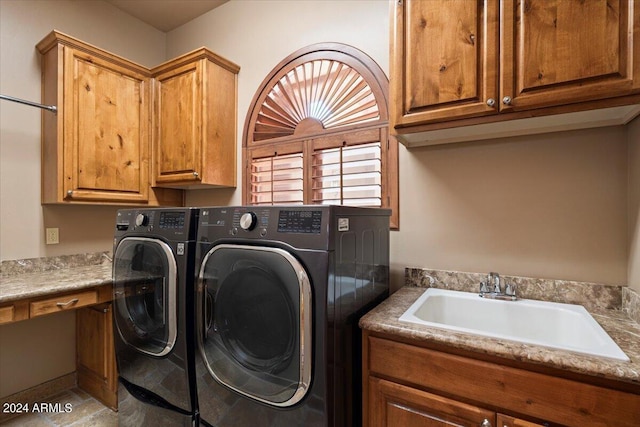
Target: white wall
(43,349)
(550,206)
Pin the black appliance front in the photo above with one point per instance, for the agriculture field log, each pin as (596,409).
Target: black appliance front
(257,313)
(279,294)
(153,271)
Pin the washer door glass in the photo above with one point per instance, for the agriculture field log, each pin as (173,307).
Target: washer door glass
(254,317)
(144,272)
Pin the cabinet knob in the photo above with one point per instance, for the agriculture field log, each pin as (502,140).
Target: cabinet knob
(491,102)
(195,174)
(485,423)
(69,193)
(506,100)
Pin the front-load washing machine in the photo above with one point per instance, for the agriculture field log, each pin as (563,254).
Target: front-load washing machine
(279,294)
(153,272)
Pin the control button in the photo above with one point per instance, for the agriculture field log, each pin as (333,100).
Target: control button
(142,220)
(248,221)
(263,232)
(234,231)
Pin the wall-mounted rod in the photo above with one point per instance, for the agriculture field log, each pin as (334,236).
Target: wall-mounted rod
(51,108)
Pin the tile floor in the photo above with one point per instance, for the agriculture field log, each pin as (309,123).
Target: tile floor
(85,412)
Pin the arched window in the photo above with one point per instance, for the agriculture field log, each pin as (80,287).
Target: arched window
(318,132)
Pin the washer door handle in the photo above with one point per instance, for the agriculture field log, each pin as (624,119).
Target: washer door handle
(207,312)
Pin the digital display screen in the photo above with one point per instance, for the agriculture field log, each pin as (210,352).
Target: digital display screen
(309,222)
(172,220)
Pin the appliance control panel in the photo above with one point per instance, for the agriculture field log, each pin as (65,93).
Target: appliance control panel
(258,221)
(129,220)
(172,219)
(300,221)
(172,223)
(249,220)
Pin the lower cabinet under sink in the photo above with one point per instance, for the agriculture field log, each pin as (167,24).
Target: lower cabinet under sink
(407,384)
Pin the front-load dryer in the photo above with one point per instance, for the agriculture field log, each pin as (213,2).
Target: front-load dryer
(279,294)
(153,272)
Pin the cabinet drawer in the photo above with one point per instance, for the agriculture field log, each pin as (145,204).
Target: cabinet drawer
(7,314)
(13,312)
(63,302)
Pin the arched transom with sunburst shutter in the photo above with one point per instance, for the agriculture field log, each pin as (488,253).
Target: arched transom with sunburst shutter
(317,132)
(325,93)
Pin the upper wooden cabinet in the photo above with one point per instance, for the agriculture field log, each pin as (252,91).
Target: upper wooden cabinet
(96,148)
(195,121)
(123,131)
(460,62)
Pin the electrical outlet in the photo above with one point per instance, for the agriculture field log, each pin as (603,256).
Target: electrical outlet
(52,236)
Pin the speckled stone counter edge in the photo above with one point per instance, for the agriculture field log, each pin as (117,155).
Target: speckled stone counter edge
(10,268)
(37,277)
(624,331)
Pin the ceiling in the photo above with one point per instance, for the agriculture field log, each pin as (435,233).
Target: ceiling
(165,15)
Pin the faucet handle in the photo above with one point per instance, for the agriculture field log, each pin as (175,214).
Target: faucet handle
(484,288)
(493,280)
(510,289)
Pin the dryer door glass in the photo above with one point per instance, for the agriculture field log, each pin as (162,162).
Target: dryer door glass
(254,318)
(144,272)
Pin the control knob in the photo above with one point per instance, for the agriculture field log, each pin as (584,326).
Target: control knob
(142,220)
(248,221)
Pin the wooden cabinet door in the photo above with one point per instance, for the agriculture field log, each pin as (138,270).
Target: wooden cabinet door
(195,128)
(508,421)
(95,354)
(444,60)
(179,124)
(395,405)
(556,52)
(106,129)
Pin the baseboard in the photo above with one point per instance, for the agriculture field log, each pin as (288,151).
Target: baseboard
(38,393)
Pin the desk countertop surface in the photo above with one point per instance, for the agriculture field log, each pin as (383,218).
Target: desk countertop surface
(27,279)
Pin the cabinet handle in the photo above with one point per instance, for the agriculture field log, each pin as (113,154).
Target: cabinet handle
(506,100)
(195,174)
(485,423)
(68,303)
(69,193)
(491,102)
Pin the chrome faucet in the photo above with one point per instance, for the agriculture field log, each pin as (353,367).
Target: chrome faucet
(493,279)
(492,289)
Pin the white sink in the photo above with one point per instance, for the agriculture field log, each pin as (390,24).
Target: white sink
(563,326)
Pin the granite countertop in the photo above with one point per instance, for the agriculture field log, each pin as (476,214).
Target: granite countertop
(624,331)
(22,279)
